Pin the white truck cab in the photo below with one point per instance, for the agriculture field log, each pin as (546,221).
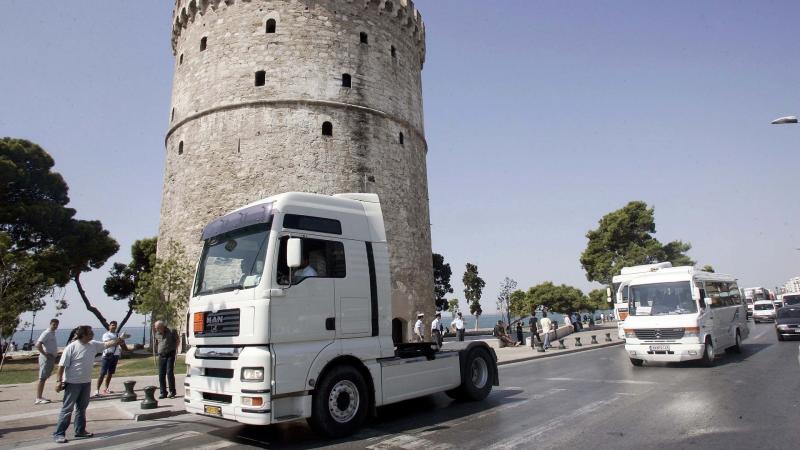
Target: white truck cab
(680,313)
(290,318)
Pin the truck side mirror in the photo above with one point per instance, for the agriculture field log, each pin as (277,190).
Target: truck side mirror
(294,252)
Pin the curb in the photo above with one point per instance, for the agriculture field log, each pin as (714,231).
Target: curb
(149,415)
(562,352)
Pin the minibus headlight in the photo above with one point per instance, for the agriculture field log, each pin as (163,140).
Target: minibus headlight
(629,333)
(691,332)
(252,374)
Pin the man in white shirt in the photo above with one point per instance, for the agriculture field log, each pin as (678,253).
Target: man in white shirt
(108,364)
(546,324)
(419,332)
(458,324)
(48,350)
(75,378)
(436,329)
(305,271)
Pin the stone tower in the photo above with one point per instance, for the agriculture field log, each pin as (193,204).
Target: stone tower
(321,96)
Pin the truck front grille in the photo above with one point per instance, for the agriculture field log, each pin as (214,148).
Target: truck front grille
(652,334)
(218,373)
(224,322)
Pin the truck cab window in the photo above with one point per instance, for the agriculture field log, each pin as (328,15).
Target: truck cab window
(320,259)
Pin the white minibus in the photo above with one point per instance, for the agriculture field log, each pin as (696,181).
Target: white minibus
(681,313)
(620,288)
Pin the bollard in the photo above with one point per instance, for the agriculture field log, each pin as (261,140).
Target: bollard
(578,342)
(561,345)
(608,337)
(149,401)
(539,346)
(594,339)
(129,395)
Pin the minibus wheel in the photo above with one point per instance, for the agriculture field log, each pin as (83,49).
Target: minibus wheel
(637,362)
(737,347)
(708,354)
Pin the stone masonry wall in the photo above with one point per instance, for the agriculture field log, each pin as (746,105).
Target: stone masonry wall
(231,142)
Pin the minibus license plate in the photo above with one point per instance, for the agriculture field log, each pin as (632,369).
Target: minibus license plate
(659,348)
(213,410)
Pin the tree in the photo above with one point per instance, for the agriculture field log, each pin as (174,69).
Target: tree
(596,300)
(452,306)
(164,291)
(22,286)
(625,238)
(473,289)
(708,268)
(560,299)
(507,286)
(123,279)
(518,303)
(441,281)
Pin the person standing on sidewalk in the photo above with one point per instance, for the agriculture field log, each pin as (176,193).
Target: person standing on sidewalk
(75,378)
(533,323)
(419,333)
(458,324)
(48,350)
(520,336)
(436,331)
(546,324)
(166,347)
(108,365)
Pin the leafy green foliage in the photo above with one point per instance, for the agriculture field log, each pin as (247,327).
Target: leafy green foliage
(22,287)
(441,281)
(596,300)
(473,289)
(124,278)
(708,268)
(625,238)
(556,298)
(518,303)
(164,291)
(452,306)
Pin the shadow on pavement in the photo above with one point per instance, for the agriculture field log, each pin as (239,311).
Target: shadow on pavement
(431,411)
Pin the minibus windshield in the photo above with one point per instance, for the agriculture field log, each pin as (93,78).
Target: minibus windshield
(661,299)
(232,260)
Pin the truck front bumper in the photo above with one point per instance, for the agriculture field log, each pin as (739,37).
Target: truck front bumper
(673,353)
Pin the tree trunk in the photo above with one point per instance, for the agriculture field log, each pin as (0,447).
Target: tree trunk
(125,319)
(92,309)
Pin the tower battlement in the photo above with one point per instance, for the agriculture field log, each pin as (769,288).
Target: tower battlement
(404,12)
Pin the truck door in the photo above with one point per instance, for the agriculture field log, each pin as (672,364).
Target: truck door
(353,301)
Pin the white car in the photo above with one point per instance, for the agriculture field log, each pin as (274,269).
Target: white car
(764,311)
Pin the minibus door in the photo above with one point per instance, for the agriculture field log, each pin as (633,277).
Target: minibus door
(706,319)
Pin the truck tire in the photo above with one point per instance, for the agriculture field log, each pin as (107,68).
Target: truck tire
(637,362)
(340,403)
(476,380)
(708,354)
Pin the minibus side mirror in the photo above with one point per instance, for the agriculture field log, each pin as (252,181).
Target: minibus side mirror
(709,301)
(294,251)
(608,295)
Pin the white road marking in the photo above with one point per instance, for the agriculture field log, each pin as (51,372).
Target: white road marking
(408,442)
(135,445)
(131,445)
(524,440)
(48,412)
(552,358)
(600,381)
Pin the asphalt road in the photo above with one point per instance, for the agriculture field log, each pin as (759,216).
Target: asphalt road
(593,399)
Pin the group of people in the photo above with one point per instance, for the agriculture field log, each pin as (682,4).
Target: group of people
(438,329)
(74,374)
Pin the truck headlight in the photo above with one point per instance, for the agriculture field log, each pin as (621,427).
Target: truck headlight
(691,332)
(252,374)
(629,333)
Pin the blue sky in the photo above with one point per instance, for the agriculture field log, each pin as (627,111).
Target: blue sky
(540,118)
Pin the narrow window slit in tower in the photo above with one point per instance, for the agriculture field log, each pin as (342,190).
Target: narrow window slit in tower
(203,43)
(401,139)
(346,80)
(261,78)
(394,52)
(172,116)
(180,148)
(327,129)
(271,26)
(180,60)
(364,39)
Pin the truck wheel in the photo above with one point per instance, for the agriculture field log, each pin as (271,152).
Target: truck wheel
(340,403)
(708,354)
(476,381)
(637,362)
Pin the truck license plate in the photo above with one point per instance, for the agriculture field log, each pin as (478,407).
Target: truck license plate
(212,410)
(659,348)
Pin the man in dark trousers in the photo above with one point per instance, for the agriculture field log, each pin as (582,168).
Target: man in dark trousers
(166,347)
(534,330)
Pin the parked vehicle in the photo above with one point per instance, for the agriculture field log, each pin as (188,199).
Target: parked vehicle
(291,317)
(764,311)
(680,313)
(787,323)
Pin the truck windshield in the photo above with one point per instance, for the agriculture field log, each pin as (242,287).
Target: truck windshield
(232,260)
(661,299)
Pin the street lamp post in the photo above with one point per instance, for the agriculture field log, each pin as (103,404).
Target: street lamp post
(785,120)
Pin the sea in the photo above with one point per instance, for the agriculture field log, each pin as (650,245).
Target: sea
(139,334)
